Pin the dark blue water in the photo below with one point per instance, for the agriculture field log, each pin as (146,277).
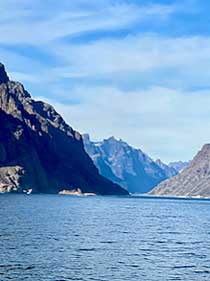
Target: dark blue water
(50,237)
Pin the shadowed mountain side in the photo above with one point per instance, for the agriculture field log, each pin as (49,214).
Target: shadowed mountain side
(39,151)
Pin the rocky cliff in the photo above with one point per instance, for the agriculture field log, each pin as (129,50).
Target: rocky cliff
(131,168)
(39,151)
(192,181)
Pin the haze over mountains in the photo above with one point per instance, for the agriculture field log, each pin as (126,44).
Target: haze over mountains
(179,165)
(39,152)
(129,167)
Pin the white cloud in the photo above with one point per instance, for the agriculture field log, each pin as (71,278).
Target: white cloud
(188,58)
(24,77)
(148,93)
(161,116)
(164,122)
(31,22)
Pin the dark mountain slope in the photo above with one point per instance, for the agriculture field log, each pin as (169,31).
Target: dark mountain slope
(39,151)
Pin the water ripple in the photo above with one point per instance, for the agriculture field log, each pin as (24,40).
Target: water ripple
(58,238)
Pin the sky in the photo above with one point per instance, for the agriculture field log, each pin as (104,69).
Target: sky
(136,70)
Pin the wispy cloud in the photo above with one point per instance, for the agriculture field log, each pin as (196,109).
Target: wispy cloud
(137,61)
(37,23)
(164,122)
(124,68)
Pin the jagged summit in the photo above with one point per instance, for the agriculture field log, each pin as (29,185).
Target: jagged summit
(3,75)
(12,87)
(112,138)
(169,171)
(131,168)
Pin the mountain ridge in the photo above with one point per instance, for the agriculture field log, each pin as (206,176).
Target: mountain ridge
(129,167)
(193,181)
(179,165)
(39,151)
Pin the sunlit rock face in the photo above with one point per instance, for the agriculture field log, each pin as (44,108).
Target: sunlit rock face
(39,151)
(193,181)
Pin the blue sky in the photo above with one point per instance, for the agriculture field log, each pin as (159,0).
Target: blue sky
(138,70)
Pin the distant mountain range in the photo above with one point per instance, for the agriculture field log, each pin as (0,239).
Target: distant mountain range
(193,181)
(39,152)
(179,165)
(168,170)
(129,167)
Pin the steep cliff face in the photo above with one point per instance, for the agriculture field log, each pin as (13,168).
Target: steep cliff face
(125,165)
(39,151)
(192,181)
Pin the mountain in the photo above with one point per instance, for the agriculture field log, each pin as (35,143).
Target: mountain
(39,152)
(192,181)
(169,170)
(179,165)
(129,167)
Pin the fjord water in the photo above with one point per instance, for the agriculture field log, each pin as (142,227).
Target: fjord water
(58,237)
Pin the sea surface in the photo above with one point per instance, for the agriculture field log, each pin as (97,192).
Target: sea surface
(58,237)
